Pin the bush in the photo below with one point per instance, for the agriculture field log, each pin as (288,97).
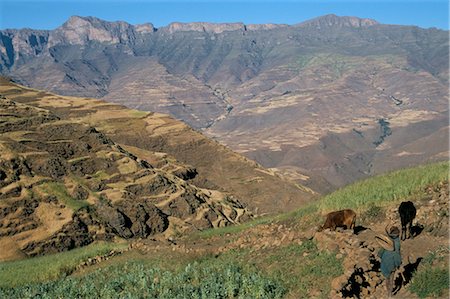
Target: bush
(430,281)
(373,212)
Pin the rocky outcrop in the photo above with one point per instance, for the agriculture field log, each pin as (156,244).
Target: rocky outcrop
(16,46)
(80,193)
(157,184)
(116,220)
(81,30)
(134,219)
(73,235)
(334,21)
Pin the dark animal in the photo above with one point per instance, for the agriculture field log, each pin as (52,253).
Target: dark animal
(344,218)
(407,212)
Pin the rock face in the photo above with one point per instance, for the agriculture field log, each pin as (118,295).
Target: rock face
(80,31)
(310,91)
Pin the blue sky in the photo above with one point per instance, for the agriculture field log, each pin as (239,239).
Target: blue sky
(50,14)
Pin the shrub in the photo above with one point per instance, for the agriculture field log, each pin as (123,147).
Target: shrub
(373,212)
(430,281)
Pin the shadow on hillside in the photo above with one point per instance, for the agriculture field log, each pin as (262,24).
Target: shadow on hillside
(416,230)
(406,276)
(358,229)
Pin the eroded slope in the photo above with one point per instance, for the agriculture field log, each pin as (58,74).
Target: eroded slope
(64,184)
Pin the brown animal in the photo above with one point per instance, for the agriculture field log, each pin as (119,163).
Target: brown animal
(344,218)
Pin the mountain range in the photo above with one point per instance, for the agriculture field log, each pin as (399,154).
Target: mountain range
(324,102)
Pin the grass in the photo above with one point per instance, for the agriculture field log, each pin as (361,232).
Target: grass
(394,186)
(60,191)
(101,175)
(304,270)
(78,159)
(369,195)
(50,267)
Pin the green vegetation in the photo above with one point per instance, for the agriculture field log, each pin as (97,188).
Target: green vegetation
(101,175)
(302,61)
(134,280)
(137,113)
(297,270)
(394,186)
(437,256)
(60,191)
(432,277)
(40,269)
(373,213)
(304,270)
(430,281)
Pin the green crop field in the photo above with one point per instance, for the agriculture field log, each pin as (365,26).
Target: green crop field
(394,186)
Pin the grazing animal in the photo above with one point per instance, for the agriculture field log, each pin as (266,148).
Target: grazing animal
(344,218)
(407,212)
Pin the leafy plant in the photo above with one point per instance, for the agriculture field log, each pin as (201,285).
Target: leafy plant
(134,280)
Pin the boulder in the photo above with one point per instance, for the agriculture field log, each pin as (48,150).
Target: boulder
(116,220)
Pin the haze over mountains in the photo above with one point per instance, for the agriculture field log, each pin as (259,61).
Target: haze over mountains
(326,102)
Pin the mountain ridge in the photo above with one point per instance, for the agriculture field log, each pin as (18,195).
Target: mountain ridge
(257,91)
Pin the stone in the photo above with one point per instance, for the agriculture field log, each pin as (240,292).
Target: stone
(80,193)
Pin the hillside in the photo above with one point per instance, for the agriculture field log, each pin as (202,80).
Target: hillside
(173,146)
(65,185)
(281,256)
(326,102)
(77,170)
